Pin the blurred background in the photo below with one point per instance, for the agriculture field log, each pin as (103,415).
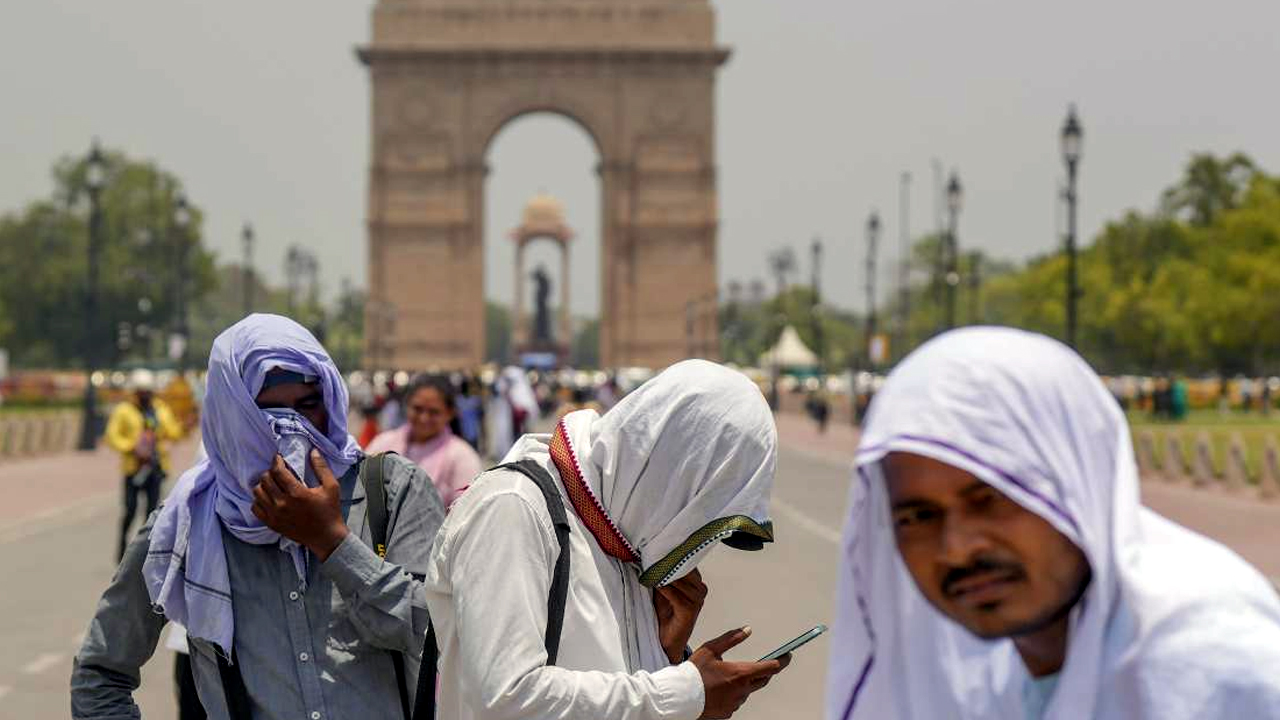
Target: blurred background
(588,190)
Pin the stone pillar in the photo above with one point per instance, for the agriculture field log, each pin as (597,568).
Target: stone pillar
(1237,469)
(1270,476)
(566,321)
(517,313)
(1147,456)
(1174,466)
(1202,462)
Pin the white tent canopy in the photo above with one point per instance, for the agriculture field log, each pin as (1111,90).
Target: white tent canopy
(789,352)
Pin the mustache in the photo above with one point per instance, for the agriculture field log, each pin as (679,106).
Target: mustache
(981,565)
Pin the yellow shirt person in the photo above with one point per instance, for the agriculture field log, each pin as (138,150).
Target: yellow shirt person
(128,427)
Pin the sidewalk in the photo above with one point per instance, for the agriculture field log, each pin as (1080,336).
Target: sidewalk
(70,485)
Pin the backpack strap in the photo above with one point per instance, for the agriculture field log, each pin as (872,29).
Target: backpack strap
(374,479)
(560,520)
(424,707)
(234,692)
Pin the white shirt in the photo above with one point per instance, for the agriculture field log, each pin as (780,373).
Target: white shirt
(487,587)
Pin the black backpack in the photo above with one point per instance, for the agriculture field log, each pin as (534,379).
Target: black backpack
(373,477)
(424,706)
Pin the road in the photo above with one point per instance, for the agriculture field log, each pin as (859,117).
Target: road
(57,546)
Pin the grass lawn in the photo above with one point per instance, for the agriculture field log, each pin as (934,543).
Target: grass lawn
(1253,429)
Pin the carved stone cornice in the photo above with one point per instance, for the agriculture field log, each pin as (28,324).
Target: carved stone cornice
(598,57)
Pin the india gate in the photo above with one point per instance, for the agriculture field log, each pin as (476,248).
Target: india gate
(447,75)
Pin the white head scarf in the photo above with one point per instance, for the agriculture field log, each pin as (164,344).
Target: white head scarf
(685,461)
(681,464)
(1172,625)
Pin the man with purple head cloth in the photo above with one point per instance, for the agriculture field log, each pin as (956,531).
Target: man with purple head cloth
(262,551)
(999,564)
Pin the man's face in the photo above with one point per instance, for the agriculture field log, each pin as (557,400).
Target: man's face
(306,399)
(978,557)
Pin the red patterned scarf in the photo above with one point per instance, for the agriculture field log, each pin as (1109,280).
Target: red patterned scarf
(585,503)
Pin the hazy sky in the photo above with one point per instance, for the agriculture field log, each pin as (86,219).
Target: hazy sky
(262,109)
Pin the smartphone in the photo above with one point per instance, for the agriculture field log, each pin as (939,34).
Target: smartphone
(787,647)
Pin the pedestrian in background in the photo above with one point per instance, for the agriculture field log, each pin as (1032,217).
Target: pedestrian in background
(140,429)
(470,411)
(431,437)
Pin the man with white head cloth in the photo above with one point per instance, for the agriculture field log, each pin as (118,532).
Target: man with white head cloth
(681,464)
(998,562)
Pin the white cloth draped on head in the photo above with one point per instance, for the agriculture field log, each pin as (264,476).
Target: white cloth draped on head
(1173,625)
(186,567)
(682,463)
(685,461)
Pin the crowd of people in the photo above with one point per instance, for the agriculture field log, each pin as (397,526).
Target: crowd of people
(996,563)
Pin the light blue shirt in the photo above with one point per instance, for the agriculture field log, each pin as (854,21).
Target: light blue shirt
(1036,693)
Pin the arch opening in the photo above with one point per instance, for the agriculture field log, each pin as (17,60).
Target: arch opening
(536,161)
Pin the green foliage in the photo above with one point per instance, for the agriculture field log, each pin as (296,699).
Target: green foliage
(43,266)
(497,333)
(1190,288)
(747,330)
(585,351)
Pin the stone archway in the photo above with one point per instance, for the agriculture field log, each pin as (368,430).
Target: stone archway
(447,75)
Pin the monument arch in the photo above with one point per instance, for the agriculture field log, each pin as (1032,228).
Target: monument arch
(447,75)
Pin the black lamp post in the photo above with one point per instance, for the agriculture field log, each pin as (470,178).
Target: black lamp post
(955,196)
(1072,140)
(873,240)
(94,179)
(182,224)
(246,236)
(819,342)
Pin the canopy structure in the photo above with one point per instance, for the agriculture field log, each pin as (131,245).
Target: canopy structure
(789,352)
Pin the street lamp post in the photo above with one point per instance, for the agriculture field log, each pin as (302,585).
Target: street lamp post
(181,224)
(873,240)
(1072,140)
(904,263)
(246,237)
(955,196)
(95,179)
(819,342)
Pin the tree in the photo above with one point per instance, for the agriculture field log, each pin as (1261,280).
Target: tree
(497,333)
(1209,187)
(43,251)
(585,352)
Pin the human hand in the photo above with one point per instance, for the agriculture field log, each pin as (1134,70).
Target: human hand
(678,606)
(728,684)
(311,517)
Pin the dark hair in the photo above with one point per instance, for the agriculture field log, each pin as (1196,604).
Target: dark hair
(442,385)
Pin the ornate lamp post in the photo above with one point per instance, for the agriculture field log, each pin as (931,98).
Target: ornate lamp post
(182,224)
(95,178)
(955,197)
(873,241)
(819,342)
(1072,140)
(246,237)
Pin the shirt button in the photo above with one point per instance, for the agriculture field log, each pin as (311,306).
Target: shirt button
(315,715)
(293,595)
(303,657)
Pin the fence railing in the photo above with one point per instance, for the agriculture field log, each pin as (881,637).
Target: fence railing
(28,434)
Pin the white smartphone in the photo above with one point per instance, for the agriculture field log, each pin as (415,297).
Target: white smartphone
(796,643)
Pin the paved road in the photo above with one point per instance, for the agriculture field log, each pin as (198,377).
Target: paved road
(57,545)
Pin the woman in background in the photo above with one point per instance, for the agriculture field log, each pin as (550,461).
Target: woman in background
(430,437)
